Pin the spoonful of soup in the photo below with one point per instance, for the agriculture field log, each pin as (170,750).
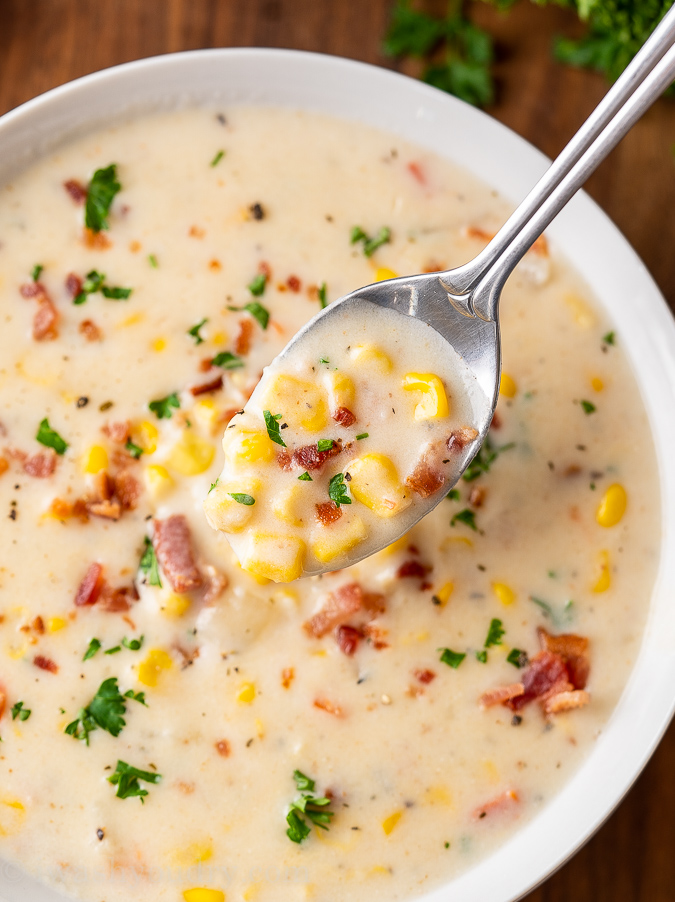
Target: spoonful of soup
(373,411)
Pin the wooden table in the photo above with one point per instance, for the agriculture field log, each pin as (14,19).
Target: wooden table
(46,42)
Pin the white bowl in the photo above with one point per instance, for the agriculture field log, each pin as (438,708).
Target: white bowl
(582,232)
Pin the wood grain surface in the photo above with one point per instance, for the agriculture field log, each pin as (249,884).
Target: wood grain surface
(44,43)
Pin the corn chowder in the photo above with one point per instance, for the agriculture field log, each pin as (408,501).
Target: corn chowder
(176,729)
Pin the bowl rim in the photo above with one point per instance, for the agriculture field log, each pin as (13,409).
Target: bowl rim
(473,140)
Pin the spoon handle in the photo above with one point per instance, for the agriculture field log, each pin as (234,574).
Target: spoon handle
(461,280)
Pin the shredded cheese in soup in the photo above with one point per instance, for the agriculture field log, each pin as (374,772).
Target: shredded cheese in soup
(177,729)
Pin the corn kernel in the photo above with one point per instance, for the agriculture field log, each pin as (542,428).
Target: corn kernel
(246,693)
(390,822)
(382,274)
(490,770)
(328,542)
(581,313)
(304,404)
(12,814)
(193,854)
(259,728)
(247,447)
(159,344)
(371,356)
(341,392)
(597,384)
(275,557)
(285,505)
(434,403)
(175,605)
(444,593)
(96,459)
(206,413)
(604,580)
(200,894)
(16,652)
(219,338)
(157,480)
(151,668)
(54,624)
(612,506)
(375,483)
(146,436)
(504,593)
(439,795)
(132,320)
(507,386)
(191,455)
(221,509)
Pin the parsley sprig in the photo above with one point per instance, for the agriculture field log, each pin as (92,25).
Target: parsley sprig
(370,245)
(163,407)
(272,424)
(100,193)
(226,360)
(257,311)
(50,438)
(106,710)
(19,711)
(94,282)
(307,805)
(126,779)
(337,490)
(194,331)
(486,456)
(149,565)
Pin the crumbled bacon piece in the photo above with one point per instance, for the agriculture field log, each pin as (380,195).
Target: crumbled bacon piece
(107,510)
(376,634)
(344,417)
(90,330)
(45,664)
(73,284)
(460,438)
(294,283)
(173,546)
(76,190)
(415,169)
(188,655)
(414,569)
(544,671)
(215,584)
(127,489)
(38,626)
(566,701)
(424,676)
(308,457)
(475,232)
(348,638)
(327,512)
(95,240)
(242,344)
(90,588)
(496,421)
(325,705)
(64,510)
(339,607)
(477,496)
(287,677)
(207,387)
(223,748)
(40,465)
(46,317)
(433,266)
(117,600)
(501,695)
(118,431)
(501,802)
(4,465)
(425,480)
(572,649)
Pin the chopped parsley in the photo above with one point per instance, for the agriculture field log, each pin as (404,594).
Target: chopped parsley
(152,260)
(113,651)
(134,450)
(93,647)
(100,193)
(213,485)
(257,285)
(305,477)
(588,407)
(256,310)
(242,498)
(370,245)
(486,456)
(36,271)
(481,656)
(148,564)
(51,439)
(94,282)
(559,619)
(495,633)
(19,711)
(133,644)
(312,807)
(136,697)
(361,435)
(517,657)
(194,331)
(453,495)
(610,338)
(323,300)
(452,658)
(126,779)
(467,517)
(272,423)
(337,490)
(324,360)
(324,444)
(106,710)
(218,157)
(226,360)
(162,407)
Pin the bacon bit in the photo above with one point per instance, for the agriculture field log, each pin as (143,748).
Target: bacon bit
(501,695)
(500,803)
(287,677)
(544,671)
(40,465)
(433,266)
(344,417)
(173,546)
(414,569)
(215,584)
(313,292)
(46,317)
(205,364)
(188,657)
(242,343)
(540,246)
(348,638)
(327,512)
(376,634)
(38,626)
(477,496)
(475,232)
(460,438)
(294,283)
(196,232)
(98,241)
(73,284)
(265,269)
(424,479)
(496,421)
(566,701)
(3,701)
(424,676)
(223,748)
(308,457)
(118,431)
(339,607)
(215,265)
(90,588)
(127,489)
(45,664)
(108,510)
(90,330)
(76,190)
(572,649)
(117,601)
(4,465)
(325,705)
(207,387)
(417,172)
(64,510)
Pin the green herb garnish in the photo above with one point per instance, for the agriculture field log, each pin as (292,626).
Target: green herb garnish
(194,331)
(324,444)
(134,450)
(559,619)
(94,646)
(162,408)
(35,272)
(337,490)
(113,651)
(116,294)
(213,485)
(452,658)
(256,310)
(323,299)
(257,285)
(133,644)
(152,260)
(467,517)
(51,439)
(94,282)
(126,779)
(495,633)
(517,657)
(486,456)
(453,495)
(106,710)
(361,435)
(136,696)
(242,498)
(370,245)
(100,193)
(226,360)
(481,656)
(148,564)
(19,711)
(218,157)
(272,423)
(307,805)
(588,407)
(610,338)
(324,360)
(305,477)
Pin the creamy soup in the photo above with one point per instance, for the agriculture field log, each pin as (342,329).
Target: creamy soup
(175,728)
